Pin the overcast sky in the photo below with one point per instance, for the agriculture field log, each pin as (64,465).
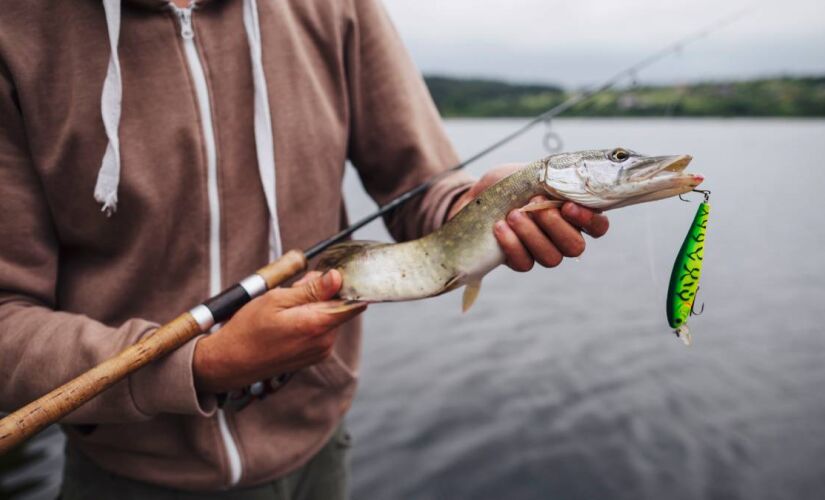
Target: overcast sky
(582,41)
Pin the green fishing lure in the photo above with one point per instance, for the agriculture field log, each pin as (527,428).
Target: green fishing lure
(684,279)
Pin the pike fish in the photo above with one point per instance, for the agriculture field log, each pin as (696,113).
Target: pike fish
(465,249)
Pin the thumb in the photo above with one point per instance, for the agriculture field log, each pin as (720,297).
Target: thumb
(316,289)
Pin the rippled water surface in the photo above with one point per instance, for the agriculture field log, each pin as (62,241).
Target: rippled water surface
(566,383)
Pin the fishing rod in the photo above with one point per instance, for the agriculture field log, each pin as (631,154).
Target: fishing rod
(53,406)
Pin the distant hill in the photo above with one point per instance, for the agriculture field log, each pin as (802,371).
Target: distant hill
(780,97)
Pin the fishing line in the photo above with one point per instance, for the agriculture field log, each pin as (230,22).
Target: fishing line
(555,111)
(651,248)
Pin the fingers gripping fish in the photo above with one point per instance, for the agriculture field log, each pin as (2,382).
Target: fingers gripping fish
(465,249)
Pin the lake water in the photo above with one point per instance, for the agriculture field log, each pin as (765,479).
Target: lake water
(567,383)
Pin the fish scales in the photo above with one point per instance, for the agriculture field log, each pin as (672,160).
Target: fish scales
(463,248)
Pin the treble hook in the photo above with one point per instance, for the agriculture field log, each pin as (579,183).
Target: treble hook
(703,191)
(693,305)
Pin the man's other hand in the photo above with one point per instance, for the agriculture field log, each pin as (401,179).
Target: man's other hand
(281,331)
(544,236)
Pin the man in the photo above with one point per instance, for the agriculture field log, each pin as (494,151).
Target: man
(199,106)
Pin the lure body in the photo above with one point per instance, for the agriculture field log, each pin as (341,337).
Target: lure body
(684,279)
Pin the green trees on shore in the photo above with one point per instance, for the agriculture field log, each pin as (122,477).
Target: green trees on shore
(778,97)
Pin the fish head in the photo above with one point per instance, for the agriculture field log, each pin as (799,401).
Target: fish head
(611,178)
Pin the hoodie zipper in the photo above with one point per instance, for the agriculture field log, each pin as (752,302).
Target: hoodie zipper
(187,33)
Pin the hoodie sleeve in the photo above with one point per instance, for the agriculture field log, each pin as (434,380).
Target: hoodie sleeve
(397,139)
(41,348)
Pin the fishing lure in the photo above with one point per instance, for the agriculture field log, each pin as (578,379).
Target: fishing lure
(684,279)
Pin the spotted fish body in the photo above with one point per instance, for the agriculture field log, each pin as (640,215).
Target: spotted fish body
(464,249)
(687,269)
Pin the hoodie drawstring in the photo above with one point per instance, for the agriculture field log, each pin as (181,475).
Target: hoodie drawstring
(108,176)
(264,142)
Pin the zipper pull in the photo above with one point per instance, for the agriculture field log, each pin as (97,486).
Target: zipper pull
(186,31)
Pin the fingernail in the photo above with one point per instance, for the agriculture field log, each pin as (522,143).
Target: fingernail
(501,226)
(514,216)
(327,279)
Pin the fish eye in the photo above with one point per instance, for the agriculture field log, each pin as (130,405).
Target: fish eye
(619,155)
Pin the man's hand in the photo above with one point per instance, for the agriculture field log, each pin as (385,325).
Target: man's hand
(545,236)
(282,331)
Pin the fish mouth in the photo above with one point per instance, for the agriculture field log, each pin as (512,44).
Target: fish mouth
(671,168)
(662,177)
(657,165)
(676,163)
(674,167)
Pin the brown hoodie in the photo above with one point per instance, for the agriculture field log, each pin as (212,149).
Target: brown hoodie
(77,286)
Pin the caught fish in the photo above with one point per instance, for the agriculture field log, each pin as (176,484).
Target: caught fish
(465,249)
(687,269)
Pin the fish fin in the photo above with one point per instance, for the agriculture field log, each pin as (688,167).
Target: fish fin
(452,284)
(541,205)
(335,255)
(470,295)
